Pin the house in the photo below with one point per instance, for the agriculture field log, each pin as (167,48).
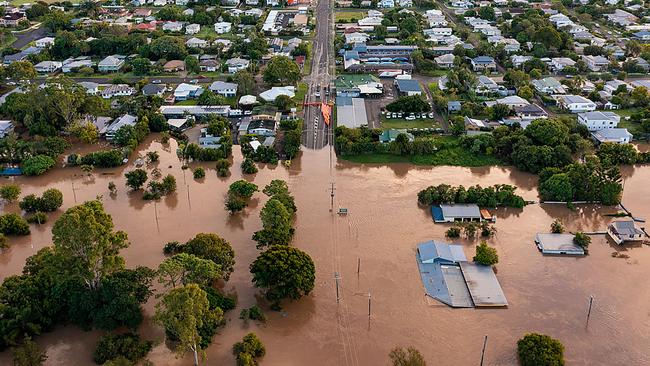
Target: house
(390,135)
(456,212)
(481,63)
(386,4)
(44,42)
(485,85)
(263,125)
(74,64)
(117,90)
(154,89)
(196,43)
(276,91)
(548,86)
(187,91)
(110,64)
(408,87)
(405,3)
(530,112)
(356,37)
(48,67)
(223,88)
(442,31)
(576,103)
(222,27)
(174,66)
(518,61)
(560,20)
(551,243)
(6,128)
(438,252)
(125,120)
(559,63)
(445,61)
(370,21)
(237,64)
(141,13)
(614,85)
(179,124)
(597,120)
(91,88)
(206,140)
(172,27)
(643,36)
(210,65)
(454,106)
(513,101)
(614,135)
(473,124)
(12,19)
(623,231)
(193,29)
(350,112)
(254,12)
(595,63)
(22,55)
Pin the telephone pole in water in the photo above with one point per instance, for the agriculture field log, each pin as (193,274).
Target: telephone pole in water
(332,189)
(336,278)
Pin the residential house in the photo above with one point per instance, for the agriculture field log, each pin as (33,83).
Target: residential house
(408,87)
(597,120)
(405,3)
(237,64)
(12,19)
(172,27)
(276,91)
(614,85)
(224,88)
(560,20)
(356,37)
(486,86)
(254,12)
(187,91)
(196,43)
(193,29)
(263,125)
(623,231)
(110,64)
(44,42)
(559,63)
(154,89)
(530,112)
(124,120)
(595,63)
(141,13)
(445,61)
(222,27)
(612,135)
(548,86)
(442,31)
(6,128)
(149,27)
(91,88)
(22,55)
(48,67)
(643,36)
(481,63)
(209,65)
(117,90)
(513,101)
(576,103)
(386,3)
(174,66)
(74,64)
(390,135)
(370,21)
(454,106)
(518,61)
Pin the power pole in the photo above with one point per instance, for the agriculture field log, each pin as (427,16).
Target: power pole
(483,351)
(369,299)
(74,193)
(336,278)
(332,189)
(591,301)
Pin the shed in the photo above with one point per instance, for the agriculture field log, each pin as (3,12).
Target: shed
(444,282)
(436,251)
(550,243)
(483,285)
(459,212)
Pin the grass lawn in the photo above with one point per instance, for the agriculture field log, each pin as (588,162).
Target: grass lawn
(206,31)
(186,102)
(7,39)
(306,68)
(347,15)
(399,123)
(301,91)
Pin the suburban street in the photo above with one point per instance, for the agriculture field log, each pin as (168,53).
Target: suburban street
(315,132)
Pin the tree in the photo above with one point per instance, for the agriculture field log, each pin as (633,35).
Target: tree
(245,82)
(276,225)
(28,354)
(37,165)
(50,201)
(183,311)
(115,346)
(248,166)
(12,224)
(21,70)
(141,66)
(557,227)
(135,179)
(486,255)
(212,247)
(283,102)
(86,232)
(582,240)
(223,167)
(525,92)
(285,272)
(551,132)
(192,65)
(183,269)
(281,70)
(208,97)
(85,131)
(9,192)
(540,350)
(249,349)
(168,48)
(239,193)
(487,13)
(412,104)
(408,357)
(198,173)
(557,188)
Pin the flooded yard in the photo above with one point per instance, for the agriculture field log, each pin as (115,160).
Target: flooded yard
(545,294)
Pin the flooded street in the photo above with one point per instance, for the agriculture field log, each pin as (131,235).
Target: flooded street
(545,294)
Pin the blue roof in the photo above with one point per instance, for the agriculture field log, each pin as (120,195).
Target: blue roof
(436,251)
(642,33)
(343,101)
(436,213)
(483,60)
(406,85)
(348,55)
(11,171)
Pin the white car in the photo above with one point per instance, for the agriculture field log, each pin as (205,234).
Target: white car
(317,94)
(431,115)
(400,114)
(410,118)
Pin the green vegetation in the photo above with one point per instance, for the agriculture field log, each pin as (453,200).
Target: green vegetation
(199,173)
(49,201)
(103,159)
(408,357)
(223,167)
(239,193)
(37,218)
(159,189)
(486,255)
(248,166)
(28,354)
(277,216)
(557,227)
(401,123)
(135,179)
(10,192)
(127,346)
(497,195)
(252,313)
(582,240)
(248,350)
(540,350)
(37,165)
(12,224)
(208,246)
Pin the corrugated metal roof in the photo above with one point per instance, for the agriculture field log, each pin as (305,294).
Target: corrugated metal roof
(483,285)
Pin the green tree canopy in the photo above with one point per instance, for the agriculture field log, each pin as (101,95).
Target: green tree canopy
(281,70)
(183,269)
(540,350)
(486,255)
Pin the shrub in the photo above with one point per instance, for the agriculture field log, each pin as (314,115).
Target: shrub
(103,159)
(172,247)
(153,156)
(408,357)
(249,349)
(3,241)
(557,227)
(223,166)
(582,240)
(453,232)
(248,166)
(12,224)
(253,313)
(540,350)
(37,218)
(199,173)
(50,201)
(486,255)
(128,345)
(9,192)
(220,300)
(135,179)
(37,165)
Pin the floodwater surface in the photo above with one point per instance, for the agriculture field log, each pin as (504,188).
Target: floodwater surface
(545,294)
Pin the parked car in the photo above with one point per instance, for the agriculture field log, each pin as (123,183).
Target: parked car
(410,118)
(157,81)
(431,115)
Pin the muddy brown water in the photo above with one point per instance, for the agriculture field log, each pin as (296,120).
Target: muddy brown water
(385,223)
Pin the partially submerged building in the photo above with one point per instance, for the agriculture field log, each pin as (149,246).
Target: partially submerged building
(456,212)
(624,231)
(551,243)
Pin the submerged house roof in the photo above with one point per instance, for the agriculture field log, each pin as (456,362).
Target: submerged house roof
(436,251)
(550,243)
(483,285)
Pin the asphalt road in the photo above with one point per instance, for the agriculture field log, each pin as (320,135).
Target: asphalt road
(315,134)
(23,39)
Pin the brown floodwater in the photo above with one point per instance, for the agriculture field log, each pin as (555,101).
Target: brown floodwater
(545,294)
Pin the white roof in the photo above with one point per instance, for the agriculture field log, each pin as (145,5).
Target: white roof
(276,91)
(248,99)
(177,122)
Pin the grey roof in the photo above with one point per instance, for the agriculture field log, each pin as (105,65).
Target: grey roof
(408,85)
(461,210)
(153,89)
(483,285)
(575,99)
(598,115)
(436,251)
(625,227)
(351,112)
(483,60)
(222,85)
(444,283)
(611,134)
(550,243)
(530,108)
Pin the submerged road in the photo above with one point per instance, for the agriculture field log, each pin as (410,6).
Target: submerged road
(315,134)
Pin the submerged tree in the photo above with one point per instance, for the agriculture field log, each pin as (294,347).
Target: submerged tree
(408,357)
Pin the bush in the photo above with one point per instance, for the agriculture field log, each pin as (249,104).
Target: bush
(248,166)
(249,349)
(159,189)
(219,300)
(453,232)
(582,240)
(135,179)
(50,201)
(486,255)
(540,350)
(9,192)
(172,247)
(199,173)
(103,159)
(37,165)
(3,241)
(153,156)
(253,313)
(128,345)
(12,224)
(223,166)
(37,218)
(557,227)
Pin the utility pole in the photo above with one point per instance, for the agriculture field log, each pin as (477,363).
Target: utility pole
(591,301)
(332,189)
(369,299)
(74,193)
(358,266)
(336,278)
(483,351)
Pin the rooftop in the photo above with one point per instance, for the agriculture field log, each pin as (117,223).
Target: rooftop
(550,243)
